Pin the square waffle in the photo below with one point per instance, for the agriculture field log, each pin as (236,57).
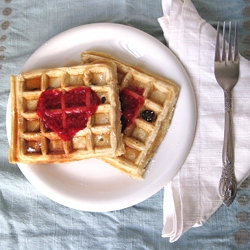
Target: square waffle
(142,138)
(33,142)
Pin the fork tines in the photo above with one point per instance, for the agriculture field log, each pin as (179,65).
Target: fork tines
(228,52)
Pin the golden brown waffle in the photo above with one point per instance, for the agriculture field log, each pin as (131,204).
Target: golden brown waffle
(142,138)
(32,142)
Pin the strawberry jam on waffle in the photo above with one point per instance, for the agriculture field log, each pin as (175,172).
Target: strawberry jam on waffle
(131,103)
(67,112)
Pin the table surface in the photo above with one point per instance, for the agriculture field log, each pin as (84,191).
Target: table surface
(30,220)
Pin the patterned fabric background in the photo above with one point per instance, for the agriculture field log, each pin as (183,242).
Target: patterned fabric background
(31,221)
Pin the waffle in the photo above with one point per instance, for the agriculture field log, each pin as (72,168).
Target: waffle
(142,138)
(32,141)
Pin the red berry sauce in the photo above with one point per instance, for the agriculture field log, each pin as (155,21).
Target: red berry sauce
(132,101)
(67,112)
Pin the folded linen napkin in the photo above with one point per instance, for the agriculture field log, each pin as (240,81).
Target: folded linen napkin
(192,196)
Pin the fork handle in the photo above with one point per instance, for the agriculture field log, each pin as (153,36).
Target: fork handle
(228,184)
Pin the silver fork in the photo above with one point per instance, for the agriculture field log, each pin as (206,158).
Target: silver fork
(226,69)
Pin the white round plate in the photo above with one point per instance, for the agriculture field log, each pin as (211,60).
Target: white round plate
(92,185)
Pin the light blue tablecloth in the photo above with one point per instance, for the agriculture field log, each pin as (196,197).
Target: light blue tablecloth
(29,220)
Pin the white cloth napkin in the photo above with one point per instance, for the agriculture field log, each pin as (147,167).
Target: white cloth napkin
(192,196)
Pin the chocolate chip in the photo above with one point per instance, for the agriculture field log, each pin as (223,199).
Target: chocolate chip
(148,115)
(103,99)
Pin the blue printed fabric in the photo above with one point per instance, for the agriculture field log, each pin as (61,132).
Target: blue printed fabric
(28,219)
